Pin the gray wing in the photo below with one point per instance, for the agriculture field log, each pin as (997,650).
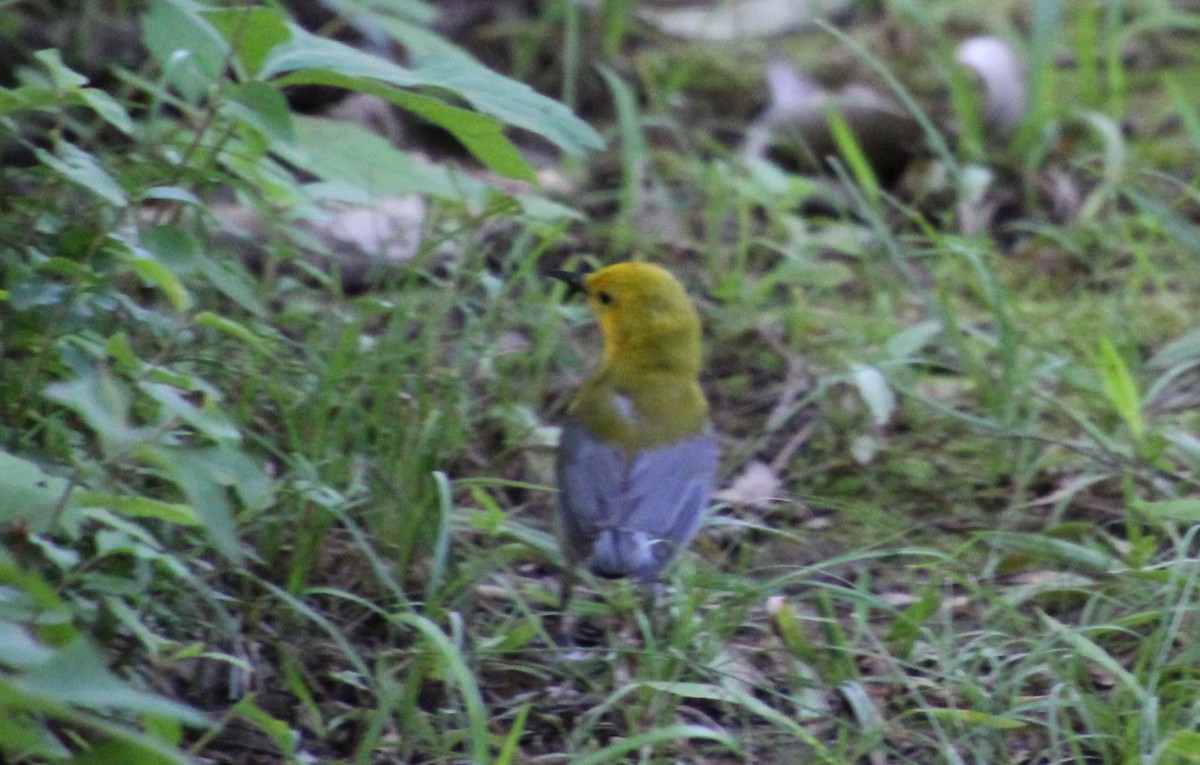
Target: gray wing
(667,494)
(633,517)
(590,477)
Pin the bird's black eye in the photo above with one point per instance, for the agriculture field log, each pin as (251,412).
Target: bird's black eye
(604,298)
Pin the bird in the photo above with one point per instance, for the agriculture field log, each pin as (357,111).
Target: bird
(637,456)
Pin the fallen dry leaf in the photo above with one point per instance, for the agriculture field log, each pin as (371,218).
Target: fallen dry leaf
(757,485)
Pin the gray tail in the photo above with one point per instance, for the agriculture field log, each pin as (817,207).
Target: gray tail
(619,553)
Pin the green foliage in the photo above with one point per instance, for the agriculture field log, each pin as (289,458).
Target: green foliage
(318,518)
(141,434)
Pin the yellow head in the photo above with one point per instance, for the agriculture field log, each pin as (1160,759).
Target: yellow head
(647,319)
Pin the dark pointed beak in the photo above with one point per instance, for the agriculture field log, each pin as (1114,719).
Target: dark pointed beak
(573,279)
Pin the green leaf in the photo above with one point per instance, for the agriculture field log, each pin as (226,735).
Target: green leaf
(159,275)
(253,33)
(138,507)
(383,11)
(347,154)
(19,734)
(1120,388)
(978,719)
(733,694)
(910,340)
(616,752)
(232,280)
(230,327)
(76,675)
(172,194)
(30,493)
(28,99)
(1182,743)
(907,627)
(206,476)
(457,669)
(103,403)
(109,109)
(63,77)
(190,50)
(875,392)
(1094,653)
(852,151)
(304,51)
(18,648)
(80,167)
(1182,510)
(444,65)
(480,134)
(1184,349)
(265,109)
(1044,547)
(205,489)
(207,419)
(439,64)
(280,733)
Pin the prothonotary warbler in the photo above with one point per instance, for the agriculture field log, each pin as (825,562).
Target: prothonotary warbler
(637,457)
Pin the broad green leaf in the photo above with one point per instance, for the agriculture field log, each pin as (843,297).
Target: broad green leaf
(35,598)
(205,486)
(18,648)
(910,340)
(439,64)
(80,167)
(103,403)
(1182,510)
(304,51)
(480,134)
(1184,744)
(1120,388)
(253,32)
(70,83)
(232,280)
(30,493)
(128,750)
(173,247)
(28,99)
(383,11)
(207,419)
(875,392)
(76,675)
(280,733)
(265,109)
(138,507)
(63,77)
(109,109)
(230,327)
(347,154)
(1184,349)
(190,50)
(442,64)
(172,194)
(157,274)
(30,737)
